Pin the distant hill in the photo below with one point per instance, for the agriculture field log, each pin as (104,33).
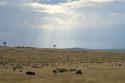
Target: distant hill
(121,50)
(81,49)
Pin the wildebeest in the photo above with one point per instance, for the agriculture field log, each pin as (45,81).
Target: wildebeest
(30,73)
(55,71)
(61,70)
(79,72)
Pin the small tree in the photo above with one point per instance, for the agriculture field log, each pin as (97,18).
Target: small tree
(4,43)
(54,46)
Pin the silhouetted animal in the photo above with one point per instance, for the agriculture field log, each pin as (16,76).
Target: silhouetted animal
(55,71)
(61,70)
(30,73)
(79,72)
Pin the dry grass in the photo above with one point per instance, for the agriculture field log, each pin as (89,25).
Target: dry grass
(96,66)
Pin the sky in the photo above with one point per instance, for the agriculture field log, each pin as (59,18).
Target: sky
(93,24)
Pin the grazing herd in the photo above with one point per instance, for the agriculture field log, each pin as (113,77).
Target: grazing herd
(58,70)
(62,70)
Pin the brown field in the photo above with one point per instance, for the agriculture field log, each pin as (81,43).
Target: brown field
(97,66)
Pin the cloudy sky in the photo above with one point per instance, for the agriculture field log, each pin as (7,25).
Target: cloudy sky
(98,24)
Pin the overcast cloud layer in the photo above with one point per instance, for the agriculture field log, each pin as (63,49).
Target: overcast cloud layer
(67,23)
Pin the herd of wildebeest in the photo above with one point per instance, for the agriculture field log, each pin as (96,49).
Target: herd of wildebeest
(57,70)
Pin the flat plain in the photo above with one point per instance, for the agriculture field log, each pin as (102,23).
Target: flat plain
(97,66)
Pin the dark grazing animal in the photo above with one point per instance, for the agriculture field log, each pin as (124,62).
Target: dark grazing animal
(61,70)
(30,73)
(55,71)
(79,72)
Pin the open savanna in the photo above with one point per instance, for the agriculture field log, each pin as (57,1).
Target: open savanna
(97,66)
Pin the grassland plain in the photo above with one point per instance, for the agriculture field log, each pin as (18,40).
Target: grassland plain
(97,66)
